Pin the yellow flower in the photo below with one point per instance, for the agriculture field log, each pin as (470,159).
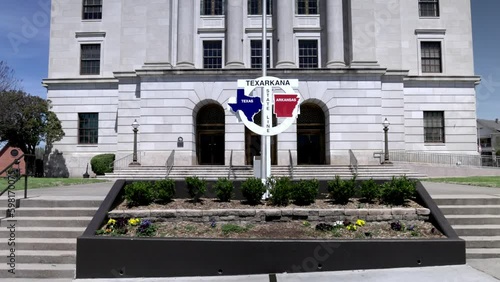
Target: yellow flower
(134,221)
(111,221)
(352,227)
(360,222)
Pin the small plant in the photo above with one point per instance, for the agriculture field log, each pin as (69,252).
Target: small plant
(134,221)
(324,227)
(342,190)
(397,226)
(146,229)
(253,189)
(190,228)
(280,189)
(305,191)
(233,228)
(369,190)
(398,191)
(224,189)
(164,190)
(114,227)
(306,223)
(139,193)
(196,187)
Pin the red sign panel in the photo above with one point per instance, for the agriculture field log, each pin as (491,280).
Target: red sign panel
(284,104)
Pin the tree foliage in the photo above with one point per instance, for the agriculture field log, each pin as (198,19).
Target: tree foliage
(26,120)
(7,79)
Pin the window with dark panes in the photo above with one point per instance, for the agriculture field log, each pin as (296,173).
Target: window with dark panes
(431,57)
(256,54)
(307,7)
(308,54)
(212,7)
(90,59)
(88,125)
(255,7)
(434,127)
(92,9)
(212,54)
(428,8)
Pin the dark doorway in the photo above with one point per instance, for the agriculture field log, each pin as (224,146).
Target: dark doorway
(311,135)
(253,143)
(210,145)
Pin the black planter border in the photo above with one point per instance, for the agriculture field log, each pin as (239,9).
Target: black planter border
(109,257)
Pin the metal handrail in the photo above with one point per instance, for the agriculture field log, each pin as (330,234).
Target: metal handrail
(436,158)
(126,159)
(353,162)
(230,165)
(17,162)
(291,163)
(169,164)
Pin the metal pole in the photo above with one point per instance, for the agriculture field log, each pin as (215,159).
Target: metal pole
(25,178)
(386,150)
(266,112)
(134,155)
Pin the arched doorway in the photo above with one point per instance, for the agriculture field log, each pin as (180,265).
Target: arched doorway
(210,142)
(311,135)
(253,143)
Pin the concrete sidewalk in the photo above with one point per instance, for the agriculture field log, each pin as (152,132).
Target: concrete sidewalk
(480,270)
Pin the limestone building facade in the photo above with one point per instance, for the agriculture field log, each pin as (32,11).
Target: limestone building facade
(172,65)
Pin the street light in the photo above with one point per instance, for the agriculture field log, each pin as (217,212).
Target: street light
(135,126)
(386,150)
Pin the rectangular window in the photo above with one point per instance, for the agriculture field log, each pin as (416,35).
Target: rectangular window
(428,8)
(434,127)
(256,54)
(212,7)
(212,54)
(90,59)
(255,7)
(308,54)
(92,9)
(88,125)
(431,57)
(306,7)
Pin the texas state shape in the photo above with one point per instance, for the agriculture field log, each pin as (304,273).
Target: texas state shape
(250,106)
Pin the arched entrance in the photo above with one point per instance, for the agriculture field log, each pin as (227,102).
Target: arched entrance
(210,142)
(311,135)
(253,143)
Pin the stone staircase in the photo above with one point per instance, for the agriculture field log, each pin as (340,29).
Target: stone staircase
(476,219)
(243,172)
(45,237)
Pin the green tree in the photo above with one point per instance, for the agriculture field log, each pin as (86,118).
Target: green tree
(27,120)
(7,79)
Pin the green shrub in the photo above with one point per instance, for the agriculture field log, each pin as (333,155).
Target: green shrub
(196,187)
(233,228)
(139,193)
(224,189)
(304,192)
(369,190)
(101,164)
(342,190)
(398,191)
(280,189)
(253,189)
(164,190)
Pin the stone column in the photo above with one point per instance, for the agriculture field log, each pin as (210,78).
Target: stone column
(364,40)
(234,30)
(158,35)
(335,33)
(286,44)
(185,34)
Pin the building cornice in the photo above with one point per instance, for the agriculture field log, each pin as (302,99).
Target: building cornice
(100,80)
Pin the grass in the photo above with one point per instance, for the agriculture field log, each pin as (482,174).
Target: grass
(34,183)
(484,181)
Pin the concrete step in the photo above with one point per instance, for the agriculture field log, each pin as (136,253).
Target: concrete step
(40,256)
(35,270)
(477,230)
(470,209)
(44,232)
(473,219)
(73,203)
(482,253)
(462,200)
(49,221)
(51,244)
(482,241)
(56,211)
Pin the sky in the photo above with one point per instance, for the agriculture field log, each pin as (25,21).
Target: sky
(25,30)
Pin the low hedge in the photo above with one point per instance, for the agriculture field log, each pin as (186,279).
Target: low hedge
(101,164)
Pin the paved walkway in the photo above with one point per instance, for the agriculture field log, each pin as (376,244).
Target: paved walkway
(480,270)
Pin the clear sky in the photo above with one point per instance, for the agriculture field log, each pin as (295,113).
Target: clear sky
(24,44)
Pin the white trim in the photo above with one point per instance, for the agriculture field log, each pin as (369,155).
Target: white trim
(431,35)
(210,37)
(306,36)
(83,38)
(247,53)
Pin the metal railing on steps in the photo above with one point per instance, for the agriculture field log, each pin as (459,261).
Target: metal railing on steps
(353,162)
(169,164)
(291,163)
(123,162)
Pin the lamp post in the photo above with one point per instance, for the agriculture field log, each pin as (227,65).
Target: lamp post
(386,150)
(135,126)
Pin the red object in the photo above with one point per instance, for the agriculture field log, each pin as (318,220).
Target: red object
(284,104)
(6,158)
